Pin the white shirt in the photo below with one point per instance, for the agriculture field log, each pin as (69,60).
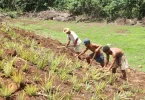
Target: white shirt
(72,36)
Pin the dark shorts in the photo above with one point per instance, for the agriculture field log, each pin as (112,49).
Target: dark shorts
(99,59)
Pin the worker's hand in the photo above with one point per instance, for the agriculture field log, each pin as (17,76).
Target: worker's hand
(91,61)
(66,45)
(72,45)
(104,68)
(76,55)
(109,68)
(96,50)
(75,43)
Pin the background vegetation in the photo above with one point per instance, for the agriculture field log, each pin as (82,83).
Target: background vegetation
(110,9)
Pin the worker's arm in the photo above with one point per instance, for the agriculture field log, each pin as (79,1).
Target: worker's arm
(82,52)
(68,42)
(93,58)
(75,43)
(97,50)
(113,61)
(107,60)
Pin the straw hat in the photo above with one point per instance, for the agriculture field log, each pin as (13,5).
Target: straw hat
(65,30)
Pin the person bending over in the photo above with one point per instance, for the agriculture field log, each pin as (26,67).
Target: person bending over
(96,52)
(119,60)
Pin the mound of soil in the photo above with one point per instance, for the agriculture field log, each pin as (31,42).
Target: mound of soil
(121,31)
(55,15)
(9,52)
(124,21)
(54,45)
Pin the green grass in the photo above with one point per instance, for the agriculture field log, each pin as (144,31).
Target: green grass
(131,40)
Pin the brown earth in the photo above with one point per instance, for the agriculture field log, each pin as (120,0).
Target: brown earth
(9,52)
(122,31)
(54,45)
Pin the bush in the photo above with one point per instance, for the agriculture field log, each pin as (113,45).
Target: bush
(111,9)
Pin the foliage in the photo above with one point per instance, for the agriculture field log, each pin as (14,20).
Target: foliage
(47,84)
(111,9)
(25,67)
(112,79)
(1,53)
(122,95)
(24,5)
(43,61)
(55,62)
(18,77)
(37,77)
(6,91)
(63,74)
(22,96)
(2,63)
(8,69)
(76,84)
(31,90)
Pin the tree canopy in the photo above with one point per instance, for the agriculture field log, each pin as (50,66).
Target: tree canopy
(97,8)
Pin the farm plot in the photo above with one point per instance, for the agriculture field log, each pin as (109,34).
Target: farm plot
(36,68)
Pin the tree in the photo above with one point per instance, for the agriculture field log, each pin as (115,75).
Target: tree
(111,9)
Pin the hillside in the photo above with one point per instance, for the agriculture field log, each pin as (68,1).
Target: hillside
(33,67)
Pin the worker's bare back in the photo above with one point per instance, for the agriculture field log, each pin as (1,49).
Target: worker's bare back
(93,47)
(116,52)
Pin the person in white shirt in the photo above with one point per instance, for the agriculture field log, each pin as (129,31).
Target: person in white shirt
(74,38)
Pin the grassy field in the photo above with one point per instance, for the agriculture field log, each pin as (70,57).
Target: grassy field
(130,38)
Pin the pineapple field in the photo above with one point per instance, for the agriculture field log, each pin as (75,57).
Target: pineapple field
(33,67)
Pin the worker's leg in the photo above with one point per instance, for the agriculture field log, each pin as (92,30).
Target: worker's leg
(124,66)
(100,59)
(89,58)
(114,70)
(102,64)
(77,49)
(124,74)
